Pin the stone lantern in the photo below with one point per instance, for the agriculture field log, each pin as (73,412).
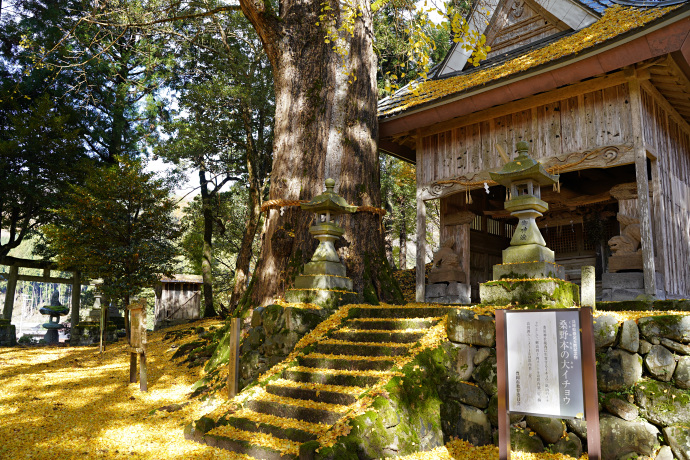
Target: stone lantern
(528,275)
(527,254)
(54,311)
(323,281)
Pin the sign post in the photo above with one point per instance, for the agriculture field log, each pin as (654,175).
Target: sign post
(136,317)
(546,367)
(234,358)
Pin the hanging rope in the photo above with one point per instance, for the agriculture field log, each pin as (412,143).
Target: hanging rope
(277,204)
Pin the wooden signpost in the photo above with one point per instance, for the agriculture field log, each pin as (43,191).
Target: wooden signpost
(135,315)
(234,358)
(546,367)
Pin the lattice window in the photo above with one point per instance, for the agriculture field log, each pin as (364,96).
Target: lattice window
(510,230)
(493,226)
(561,240)
(476,224)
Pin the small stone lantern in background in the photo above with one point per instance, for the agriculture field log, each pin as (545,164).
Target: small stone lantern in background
(324,281)
(54,311)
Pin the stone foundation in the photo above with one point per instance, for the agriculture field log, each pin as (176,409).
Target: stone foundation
(540,292)
(627,286)
(88,333)
(447,293)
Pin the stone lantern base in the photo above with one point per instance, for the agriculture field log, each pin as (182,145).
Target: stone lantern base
(532,292)
(529,270)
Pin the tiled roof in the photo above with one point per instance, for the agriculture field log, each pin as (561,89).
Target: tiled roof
(616,21)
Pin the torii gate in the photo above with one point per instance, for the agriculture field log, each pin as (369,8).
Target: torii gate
(16,263)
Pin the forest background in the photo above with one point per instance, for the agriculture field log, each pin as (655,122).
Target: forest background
(79,99)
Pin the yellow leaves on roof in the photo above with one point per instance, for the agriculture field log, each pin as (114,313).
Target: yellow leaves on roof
(615,21)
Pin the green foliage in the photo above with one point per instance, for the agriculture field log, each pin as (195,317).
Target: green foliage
(118,227)
(398,193)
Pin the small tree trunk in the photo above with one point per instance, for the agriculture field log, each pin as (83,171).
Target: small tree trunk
(253,213)
(402,239)
(207,251)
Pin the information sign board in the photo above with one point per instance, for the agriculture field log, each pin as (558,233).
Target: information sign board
(544,363)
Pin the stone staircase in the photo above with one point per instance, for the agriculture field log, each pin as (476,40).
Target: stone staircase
(325,382)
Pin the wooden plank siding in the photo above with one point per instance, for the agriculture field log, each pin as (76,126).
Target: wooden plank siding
(667,137)
(574,124)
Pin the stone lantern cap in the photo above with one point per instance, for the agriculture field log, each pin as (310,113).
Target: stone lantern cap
(329,202)
(523,167)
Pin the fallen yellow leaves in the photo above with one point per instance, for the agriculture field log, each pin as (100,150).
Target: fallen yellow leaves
(353,391)
(635,315)
(71,403)
(281,422)
(257,439)
(263,395)
(462,450)
(345,372)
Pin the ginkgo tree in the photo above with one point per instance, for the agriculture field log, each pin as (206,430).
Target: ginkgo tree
(324,70)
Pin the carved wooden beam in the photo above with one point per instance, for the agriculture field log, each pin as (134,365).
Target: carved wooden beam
(627,191)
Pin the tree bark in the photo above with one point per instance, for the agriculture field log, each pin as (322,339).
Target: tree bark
(325,126)
(207,251)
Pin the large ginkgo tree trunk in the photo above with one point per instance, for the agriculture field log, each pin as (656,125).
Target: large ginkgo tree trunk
(325,126)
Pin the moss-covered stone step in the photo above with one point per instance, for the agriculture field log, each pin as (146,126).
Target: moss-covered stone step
(383,337)
(242,447)
(297,412)
(330,397)
(292,434)
(347,364)
(403,312)
(330,379)
(359,350)
(391,324)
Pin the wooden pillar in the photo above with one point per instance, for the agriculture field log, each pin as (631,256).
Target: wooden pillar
(76,295)
(9,294)
(421,247)
(421,225)
(641,177)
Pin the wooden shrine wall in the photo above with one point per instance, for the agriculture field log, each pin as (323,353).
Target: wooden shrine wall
(563,128)
(177,301)
(667,137)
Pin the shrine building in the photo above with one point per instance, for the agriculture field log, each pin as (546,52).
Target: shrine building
(600,91)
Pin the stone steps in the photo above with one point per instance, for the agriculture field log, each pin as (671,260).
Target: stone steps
(292,434)
(356,349)
(253,449)
(345,364)
(391,324)
(316,392)
(377,336)
(305,414)
(330,397)
(330,379)
(403,312)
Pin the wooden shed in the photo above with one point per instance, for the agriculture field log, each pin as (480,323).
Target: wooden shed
(601,91)
(178,300)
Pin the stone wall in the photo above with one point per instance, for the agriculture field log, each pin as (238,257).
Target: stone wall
(8,334)
(643,378)
(88,333)
(274,332)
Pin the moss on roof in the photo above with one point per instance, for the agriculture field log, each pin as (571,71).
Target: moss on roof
(616,21)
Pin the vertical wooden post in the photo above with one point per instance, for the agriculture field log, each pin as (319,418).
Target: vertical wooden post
(421,226)
(421,248)
(132,367)
(9,294)
(589,385)
(143,381)
(641,177)
(502,383)
(104,310)
(234,358)
(76,295)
